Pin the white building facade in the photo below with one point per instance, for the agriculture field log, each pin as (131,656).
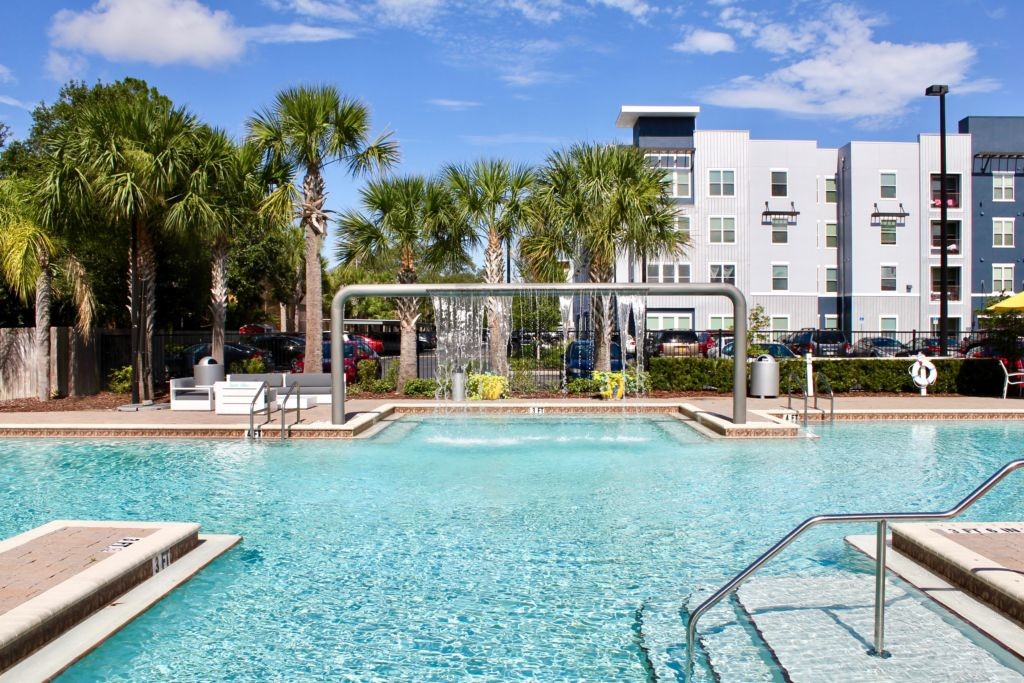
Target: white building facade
(821,238)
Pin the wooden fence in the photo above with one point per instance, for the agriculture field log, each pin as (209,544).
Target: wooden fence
(74,363)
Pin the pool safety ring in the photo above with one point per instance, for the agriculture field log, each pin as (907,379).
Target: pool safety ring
(923,371)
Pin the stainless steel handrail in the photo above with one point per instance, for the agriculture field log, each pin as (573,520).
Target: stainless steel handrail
(791,381)
(298,406)
(882,519)
(822,379)
(252,406)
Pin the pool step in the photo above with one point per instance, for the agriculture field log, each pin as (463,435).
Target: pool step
(733,648)
(820,628)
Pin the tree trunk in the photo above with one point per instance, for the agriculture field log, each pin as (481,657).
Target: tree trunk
(408,315)
(43,297)
(314,225)
(599,305)
(494,274)
(218,299)
(135,313)
(147,281)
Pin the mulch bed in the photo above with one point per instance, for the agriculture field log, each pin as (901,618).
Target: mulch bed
(105,400)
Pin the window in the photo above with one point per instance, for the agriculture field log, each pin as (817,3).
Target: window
(780,231)
(780,324)
(953,283)
(780,183)
(888,185)
(1002,278)
(1002,187)
(952,237)
(831,279)
(888,230)
(1002,232)
(888,278)
(678,167)
(780,278)
(952,190)
(831,236)
(720,322)
(724,273)
(831,322)
(830,190)
(723,230)
(723,183)
(668,272)
(683,226)
(953,325)
(675,321)
(888,324)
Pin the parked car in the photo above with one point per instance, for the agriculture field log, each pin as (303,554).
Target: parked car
(773,349)
(579,359)
(256,328)
(426,340)
(180,364)
(375,344)
(675,343)
(820,343)
(880,347)
(718,346)
(630,346)
(354,353)
(283,347)
(929,346)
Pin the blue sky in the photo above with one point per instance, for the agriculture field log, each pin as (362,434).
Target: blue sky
(456,80)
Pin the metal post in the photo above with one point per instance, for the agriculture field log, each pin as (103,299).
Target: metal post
(940,91)
(880,548)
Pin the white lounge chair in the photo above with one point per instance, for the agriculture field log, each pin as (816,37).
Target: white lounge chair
(185,395)
(236,398)
(1015,378)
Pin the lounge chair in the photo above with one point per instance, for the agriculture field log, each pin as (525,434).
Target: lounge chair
(1015,378)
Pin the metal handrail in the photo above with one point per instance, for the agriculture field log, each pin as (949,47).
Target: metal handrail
(882,518)
(252,410)
(298,406)
(794,380)
(822,379)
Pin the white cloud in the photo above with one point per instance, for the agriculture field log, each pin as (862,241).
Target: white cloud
(539,11)
(409,13)
(637,8)
(11,102)
(165,32)
(337,10)
(155,31)
(705,42)
(453,105)
(294,33)
(840,71)
(63,67)
(6,75)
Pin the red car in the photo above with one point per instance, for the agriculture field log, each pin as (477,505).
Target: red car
(375,344)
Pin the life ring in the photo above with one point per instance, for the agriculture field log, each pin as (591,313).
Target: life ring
(923,371)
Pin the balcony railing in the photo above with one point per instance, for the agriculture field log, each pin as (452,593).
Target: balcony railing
(952,248)
(952,200)
(954,293)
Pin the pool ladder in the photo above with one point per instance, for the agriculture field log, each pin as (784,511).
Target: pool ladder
(882,519)
(821,383)
(252,433)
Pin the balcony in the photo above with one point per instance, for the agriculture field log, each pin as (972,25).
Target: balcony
(953,246)
(952,200)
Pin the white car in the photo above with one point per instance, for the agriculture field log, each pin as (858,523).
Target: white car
(715,350)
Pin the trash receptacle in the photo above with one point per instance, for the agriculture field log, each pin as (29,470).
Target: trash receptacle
(207,371)
(764,377)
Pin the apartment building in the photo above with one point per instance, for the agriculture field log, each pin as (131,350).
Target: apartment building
(834,238)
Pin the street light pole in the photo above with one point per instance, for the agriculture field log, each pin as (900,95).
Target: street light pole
(940,92)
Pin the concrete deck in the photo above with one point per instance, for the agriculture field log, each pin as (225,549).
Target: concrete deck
(363,413)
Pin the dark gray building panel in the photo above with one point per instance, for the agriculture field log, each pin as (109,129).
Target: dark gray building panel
(997,145)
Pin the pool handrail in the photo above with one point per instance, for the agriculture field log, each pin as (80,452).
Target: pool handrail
(882,518)
(298,406)
(264,387)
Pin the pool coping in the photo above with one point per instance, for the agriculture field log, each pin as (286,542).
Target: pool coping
(1000,629)
(62,652)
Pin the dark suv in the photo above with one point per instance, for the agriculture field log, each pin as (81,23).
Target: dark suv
(820,343)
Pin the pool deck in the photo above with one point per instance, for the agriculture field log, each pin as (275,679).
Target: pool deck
(766,417)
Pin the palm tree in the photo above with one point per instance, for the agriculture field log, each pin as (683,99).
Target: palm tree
(307,128)
(32,256)
(407,224)
(491,195)
(595,202)
(126,159)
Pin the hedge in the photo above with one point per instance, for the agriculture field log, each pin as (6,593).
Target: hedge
(972,377)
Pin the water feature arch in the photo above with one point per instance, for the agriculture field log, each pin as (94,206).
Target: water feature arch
(739,310)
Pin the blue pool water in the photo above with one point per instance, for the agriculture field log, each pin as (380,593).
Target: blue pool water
(476,549)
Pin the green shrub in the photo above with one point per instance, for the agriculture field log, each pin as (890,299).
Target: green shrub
(522,381)
(379,386)
(248,366)
(420,387)
(972,377)
(366,372)
(486,387)
(553,356)
(120,380)
(607,381)
(584,386)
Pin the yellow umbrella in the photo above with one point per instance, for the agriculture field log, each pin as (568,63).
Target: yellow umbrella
(1013,303)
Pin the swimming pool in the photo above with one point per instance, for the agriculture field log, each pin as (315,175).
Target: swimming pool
(487,549)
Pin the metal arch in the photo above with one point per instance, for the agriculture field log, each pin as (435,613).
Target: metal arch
(739,315)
